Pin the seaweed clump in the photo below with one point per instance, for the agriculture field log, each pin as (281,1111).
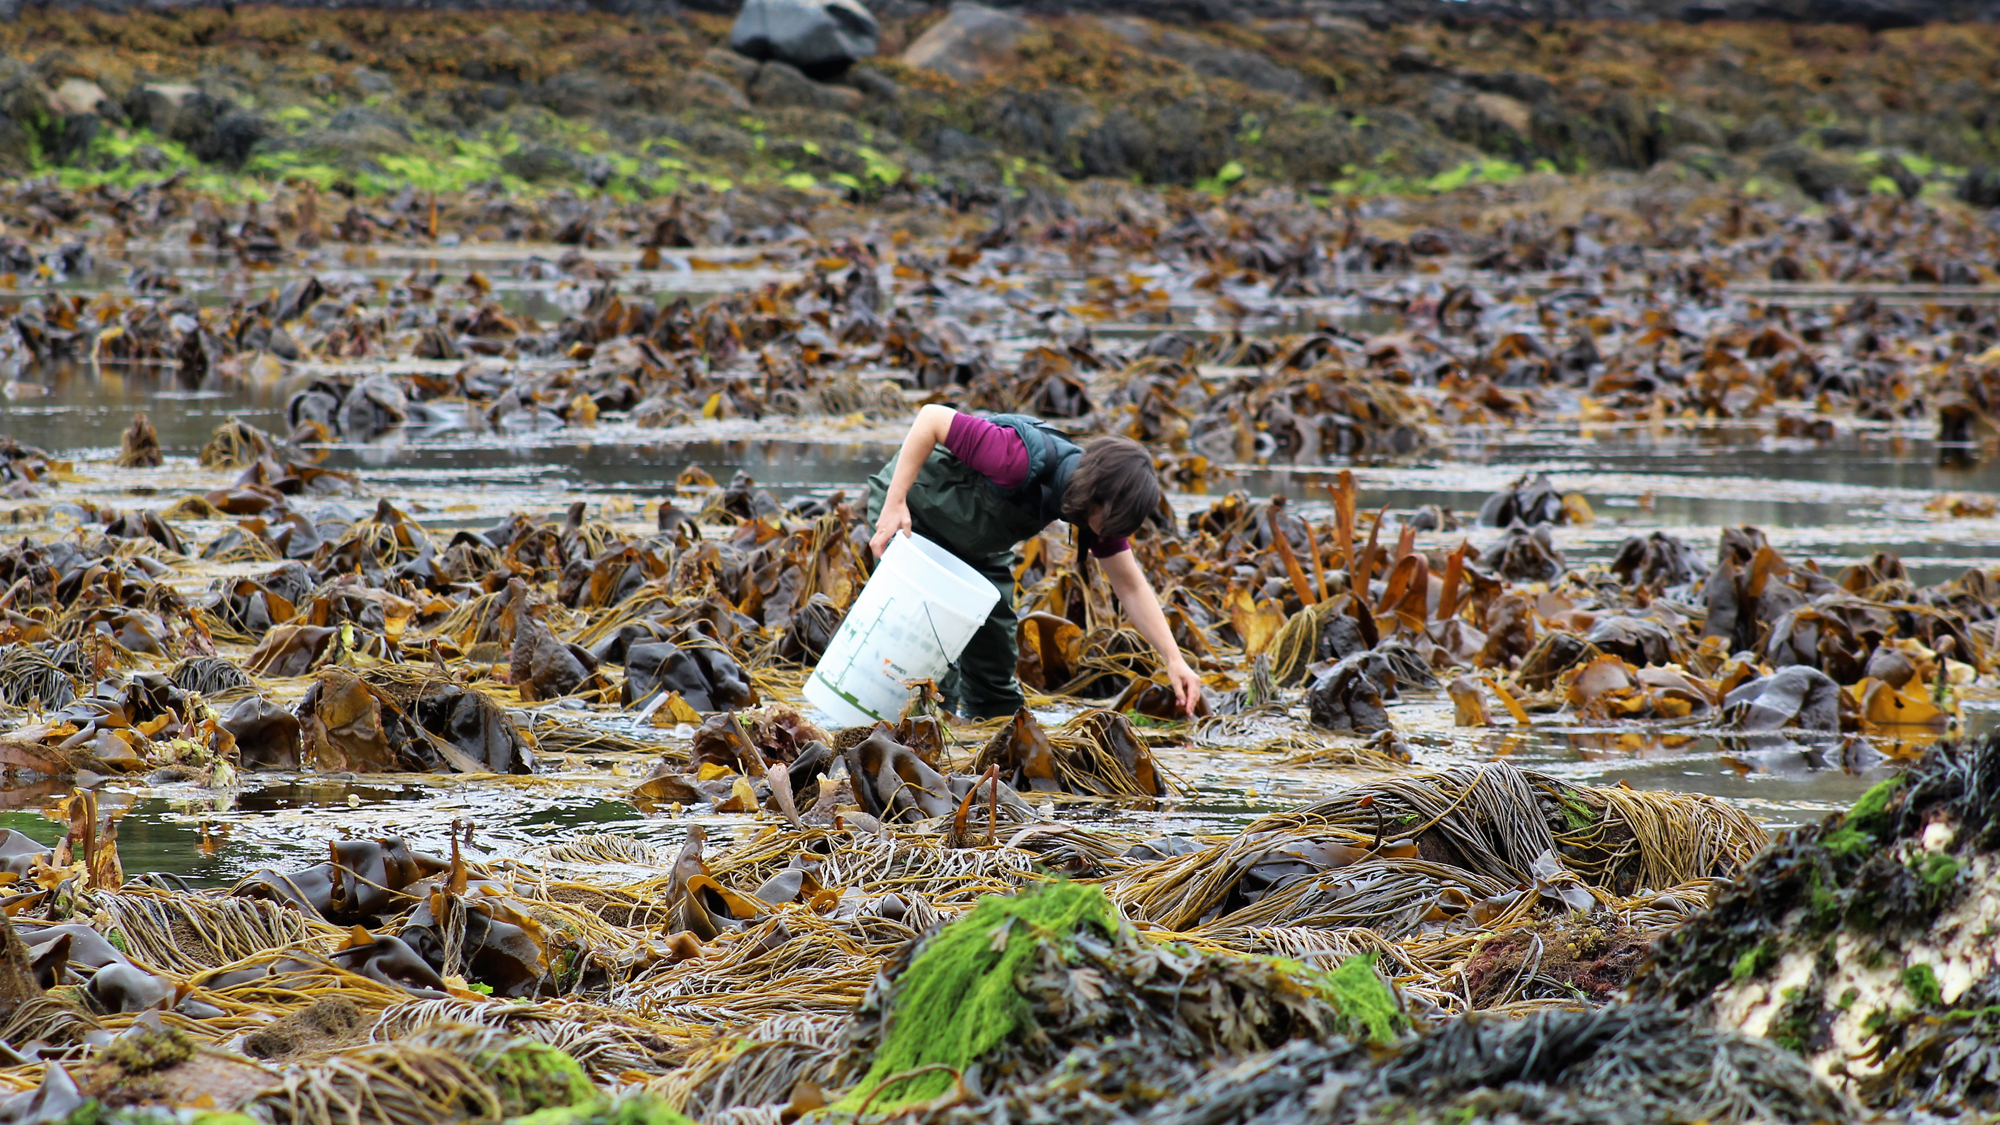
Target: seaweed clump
(1624,1063)
(1049,991)
(1861,942)
(1581,958)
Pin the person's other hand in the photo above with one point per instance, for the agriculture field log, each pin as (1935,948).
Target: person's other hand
(895,518)
(1187,686)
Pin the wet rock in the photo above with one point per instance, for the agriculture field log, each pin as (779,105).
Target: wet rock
(229,142)
(1980,186)
(819,37)
(729,65)
(213,128)
(80,96)
(778,84)
(874,84)
(972,43)
(25,123)
(708,88)
(1893,882)
(1820,177)
(171,109)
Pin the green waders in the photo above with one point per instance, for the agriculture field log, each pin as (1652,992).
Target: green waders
(958,509)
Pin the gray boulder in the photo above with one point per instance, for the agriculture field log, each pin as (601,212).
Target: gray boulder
(24,122)
(74,108)
(777,85)
(1821,177)
(822,38)
(970,44)
(230,142)
(213,128)
(79,95)
(174,110)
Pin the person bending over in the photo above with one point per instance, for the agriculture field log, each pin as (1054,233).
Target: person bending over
(979,487)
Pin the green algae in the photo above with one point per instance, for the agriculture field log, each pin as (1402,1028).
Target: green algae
(533,1076)
(1797,1021)
(635,1109)
(961,996)
(1939,875)
(1366,1005)
(1754,961)
(959,999)
(1922,982)
(1870,813)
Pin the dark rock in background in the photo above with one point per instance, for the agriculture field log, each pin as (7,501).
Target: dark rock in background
(822,38)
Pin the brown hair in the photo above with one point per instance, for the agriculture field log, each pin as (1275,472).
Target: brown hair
(1115,477)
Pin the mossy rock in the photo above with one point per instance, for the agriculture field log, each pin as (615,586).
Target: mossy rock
(638,1109)
(535,1076)
(144,1050)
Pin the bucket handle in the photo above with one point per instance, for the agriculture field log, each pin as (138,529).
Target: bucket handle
(951,665)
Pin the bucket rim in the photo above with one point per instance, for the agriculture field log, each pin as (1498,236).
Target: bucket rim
(978,587)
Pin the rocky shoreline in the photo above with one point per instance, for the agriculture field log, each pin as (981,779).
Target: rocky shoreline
(984,108)
(1874,14)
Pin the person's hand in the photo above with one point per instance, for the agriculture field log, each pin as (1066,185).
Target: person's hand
(1186,685)
(895,518)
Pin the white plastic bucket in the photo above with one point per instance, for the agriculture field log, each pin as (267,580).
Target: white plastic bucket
(909,623)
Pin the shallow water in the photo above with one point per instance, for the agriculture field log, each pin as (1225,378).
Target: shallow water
(1835,502)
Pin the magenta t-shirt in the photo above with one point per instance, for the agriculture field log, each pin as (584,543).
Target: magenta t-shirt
(998,454)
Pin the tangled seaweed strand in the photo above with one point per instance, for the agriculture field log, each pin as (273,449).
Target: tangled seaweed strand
(1481,828)
(189,933)
(385,1084)
(760,1069)
(1627,1063)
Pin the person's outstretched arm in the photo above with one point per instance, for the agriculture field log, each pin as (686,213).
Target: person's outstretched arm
(926,433)
(1136,595)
